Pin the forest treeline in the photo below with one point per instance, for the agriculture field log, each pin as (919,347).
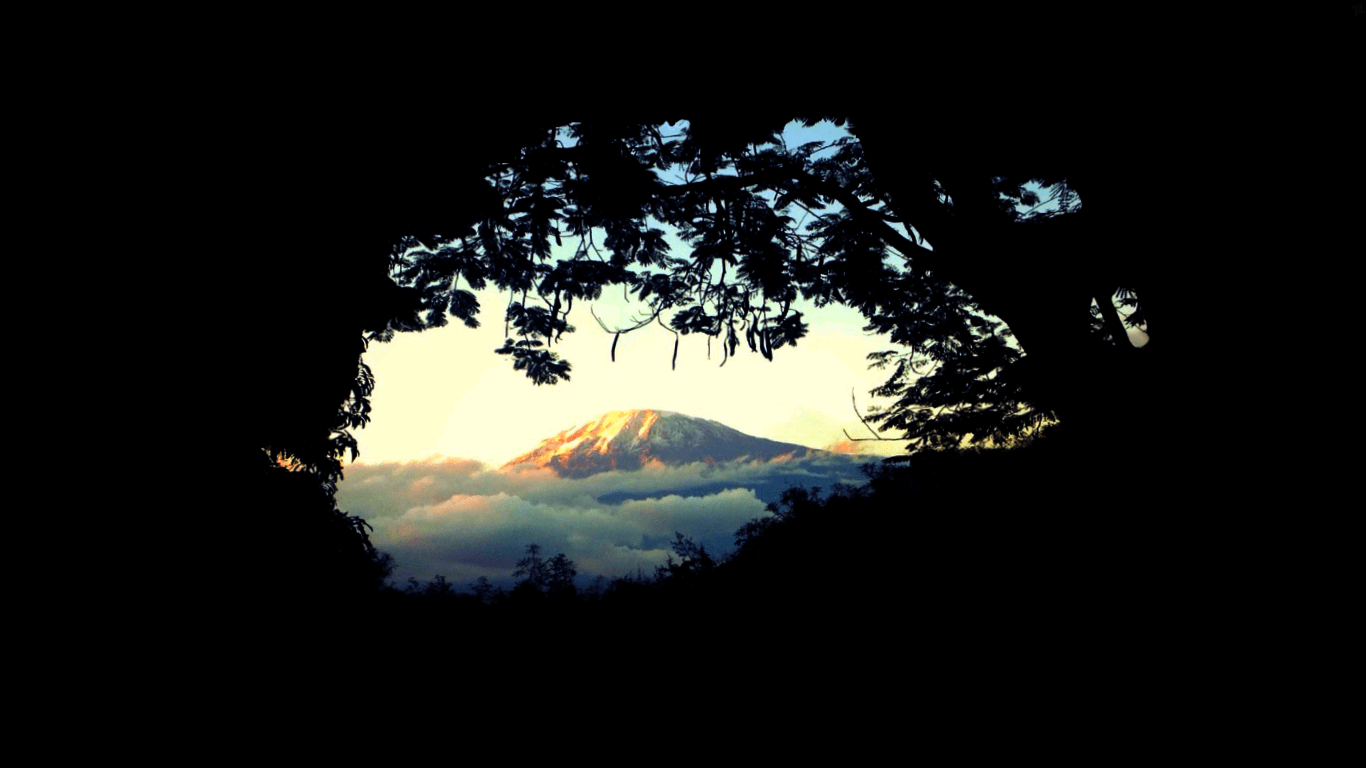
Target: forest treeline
(967,538)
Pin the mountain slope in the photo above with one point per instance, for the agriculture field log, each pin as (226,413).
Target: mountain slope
(630,440)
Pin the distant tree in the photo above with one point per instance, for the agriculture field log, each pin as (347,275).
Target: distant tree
(559,575)
(482,589)
(693,560)
(531,569)
(439,587)
(752,531)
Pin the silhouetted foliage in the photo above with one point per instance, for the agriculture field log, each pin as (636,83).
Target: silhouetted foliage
(1005,319)
(531,569)
(559,576)
(954,542)
(766,222)
(439,588)
(311,541)
(693,561)
(482,589)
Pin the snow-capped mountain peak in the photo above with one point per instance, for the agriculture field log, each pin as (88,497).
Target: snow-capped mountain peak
(629,440)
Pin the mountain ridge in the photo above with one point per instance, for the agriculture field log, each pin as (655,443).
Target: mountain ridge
(635,439)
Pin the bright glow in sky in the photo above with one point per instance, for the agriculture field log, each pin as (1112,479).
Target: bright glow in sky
(444,391)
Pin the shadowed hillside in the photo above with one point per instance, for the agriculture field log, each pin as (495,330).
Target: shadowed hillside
(928,548)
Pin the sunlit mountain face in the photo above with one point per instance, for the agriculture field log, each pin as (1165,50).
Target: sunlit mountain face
(631,440)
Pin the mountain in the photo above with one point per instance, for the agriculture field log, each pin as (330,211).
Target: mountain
(629,440)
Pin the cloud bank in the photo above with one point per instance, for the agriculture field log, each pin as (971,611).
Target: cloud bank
(461,519)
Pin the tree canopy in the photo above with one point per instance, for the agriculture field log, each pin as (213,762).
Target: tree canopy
(1005,318)
(766,222)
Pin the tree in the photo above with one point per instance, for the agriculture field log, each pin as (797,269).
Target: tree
(482,589)
(903,190)
(531,569)
(288,389)
(992,308)
(439,588)
(559,575)
(693,560)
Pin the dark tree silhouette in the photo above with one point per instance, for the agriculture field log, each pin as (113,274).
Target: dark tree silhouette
(559,575)
(904,220)
(693,561)
(482,589)
(917,234)
(300,389)
(531,569)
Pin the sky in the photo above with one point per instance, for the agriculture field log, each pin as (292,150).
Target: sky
(444,392)
(448,413)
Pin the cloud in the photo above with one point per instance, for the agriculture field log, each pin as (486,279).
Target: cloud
(462,519)
(868,448)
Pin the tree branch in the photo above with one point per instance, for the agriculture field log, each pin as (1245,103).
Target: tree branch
(1110,316)
(874,221)
(870,429)
(638,325)
(853,402)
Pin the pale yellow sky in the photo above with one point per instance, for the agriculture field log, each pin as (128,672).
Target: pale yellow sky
(444,391)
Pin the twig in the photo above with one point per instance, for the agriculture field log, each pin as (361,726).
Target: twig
(854,402)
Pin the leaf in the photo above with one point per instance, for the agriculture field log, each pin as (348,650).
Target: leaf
(464,305)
